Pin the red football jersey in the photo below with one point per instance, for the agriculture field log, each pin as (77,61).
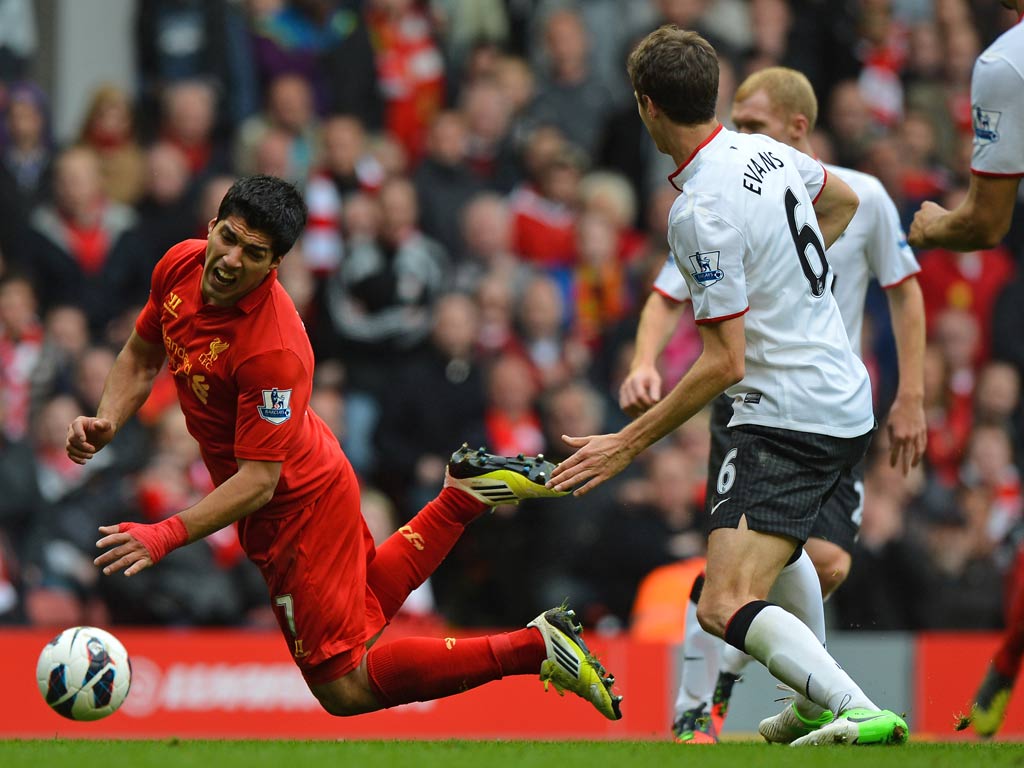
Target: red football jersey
(244,376)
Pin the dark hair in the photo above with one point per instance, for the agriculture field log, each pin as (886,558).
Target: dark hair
(678,70)
(269,205)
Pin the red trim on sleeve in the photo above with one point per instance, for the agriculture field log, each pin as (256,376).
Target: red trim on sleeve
(901,281)
(687,161)
(669,296)
(990,175)
(823,183)
(707,320)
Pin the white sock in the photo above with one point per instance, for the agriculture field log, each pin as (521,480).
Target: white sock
(701,654)
(798,590)
(791,652)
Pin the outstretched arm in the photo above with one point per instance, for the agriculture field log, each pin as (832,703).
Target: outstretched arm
(658,320)
(133,547)
(981,221)
(600,457)
(127,387)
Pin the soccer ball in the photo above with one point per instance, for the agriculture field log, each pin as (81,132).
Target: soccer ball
(84,673)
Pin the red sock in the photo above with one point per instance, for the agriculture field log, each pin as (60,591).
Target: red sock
(1008,657)
(414,551)
(423,669)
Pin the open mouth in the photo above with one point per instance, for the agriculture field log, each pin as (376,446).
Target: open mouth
(223,279)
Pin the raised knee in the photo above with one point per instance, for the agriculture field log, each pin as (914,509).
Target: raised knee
(342,706)
(711,618)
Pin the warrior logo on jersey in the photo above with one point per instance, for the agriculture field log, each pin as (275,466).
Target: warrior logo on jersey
(706,267)
(985,123)
(276,408)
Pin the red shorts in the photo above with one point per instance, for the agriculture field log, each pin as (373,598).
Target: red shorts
(314,562)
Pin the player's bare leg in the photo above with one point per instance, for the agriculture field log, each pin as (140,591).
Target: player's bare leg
(742,566)
(832,563)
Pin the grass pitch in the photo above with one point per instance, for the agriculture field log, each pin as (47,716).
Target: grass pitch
(494,754)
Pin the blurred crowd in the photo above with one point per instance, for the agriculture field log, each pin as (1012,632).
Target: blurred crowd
(487,214)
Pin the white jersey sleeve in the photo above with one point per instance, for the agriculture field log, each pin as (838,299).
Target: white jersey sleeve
(890,257)
(670,282)
(997,107)
(710,252)
(812,172)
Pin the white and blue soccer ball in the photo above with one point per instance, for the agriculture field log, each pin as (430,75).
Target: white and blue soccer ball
(84,673)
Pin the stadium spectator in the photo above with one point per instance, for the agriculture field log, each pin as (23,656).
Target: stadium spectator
(511,422)
(346,166)
(487,235)
(85,250)
(490,149)
(290,114)
(180,41)
(544,205)
(599,285)
(435,400)
(65,339)
(553,354)
(167,208)
(569,97)
(324,42)
(28,144)
(18,504)
(21,345)
(410,70)
(445,182)
(188,111)
(109,130)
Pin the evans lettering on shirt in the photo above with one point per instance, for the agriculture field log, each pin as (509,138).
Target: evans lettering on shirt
(873,246)
(774,270)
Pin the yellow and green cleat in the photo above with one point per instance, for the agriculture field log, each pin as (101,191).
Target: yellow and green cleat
(499,479)
(570,665)
(989,708)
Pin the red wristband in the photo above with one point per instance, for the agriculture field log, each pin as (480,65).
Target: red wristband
(158,538)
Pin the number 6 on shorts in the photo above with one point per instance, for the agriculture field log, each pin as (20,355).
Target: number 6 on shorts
(727,474)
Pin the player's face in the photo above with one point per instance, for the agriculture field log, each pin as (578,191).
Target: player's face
(237,259)
(756,114)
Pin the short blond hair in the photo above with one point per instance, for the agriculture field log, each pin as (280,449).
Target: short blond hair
(788,90)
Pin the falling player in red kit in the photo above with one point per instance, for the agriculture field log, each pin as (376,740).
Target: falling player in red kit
(243,368)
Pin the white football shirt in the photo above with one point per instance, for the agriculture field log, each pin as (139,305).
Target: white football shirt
(873,246)
(744,236)
(997,106)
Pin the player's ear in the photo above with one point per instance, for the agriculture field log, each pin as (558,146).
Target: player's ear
(209,227)
(799,126)
(649,107)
